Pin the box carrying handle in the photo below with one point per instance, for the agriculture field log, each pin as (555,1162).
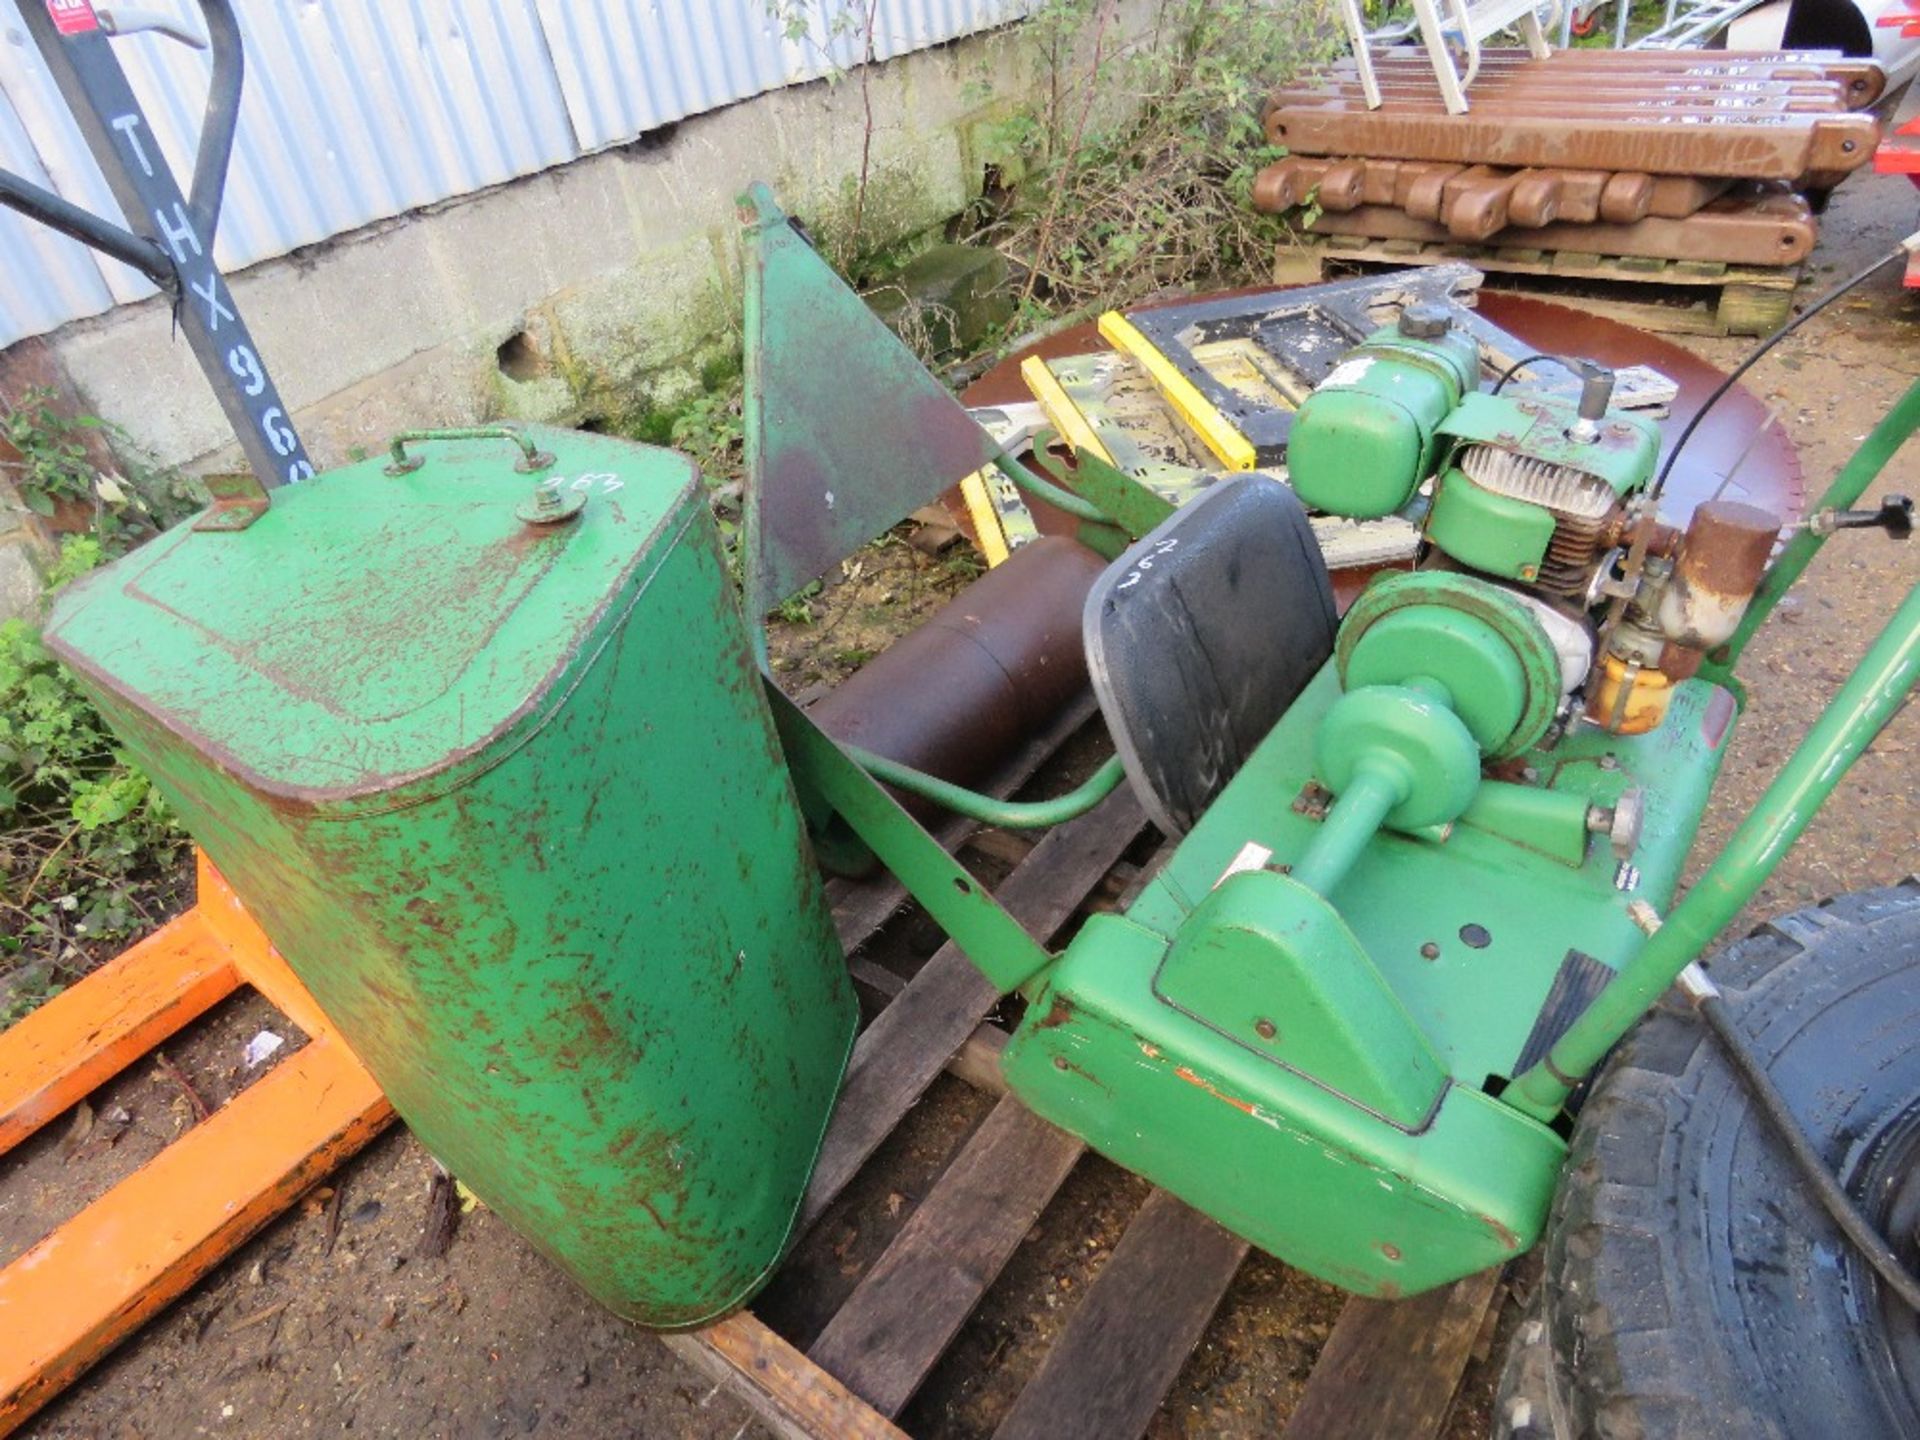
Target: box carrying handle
(532,457)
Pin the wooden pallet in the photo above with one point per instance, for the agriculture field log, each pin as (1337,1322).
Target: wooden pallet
(1387,1369)
(1731,299)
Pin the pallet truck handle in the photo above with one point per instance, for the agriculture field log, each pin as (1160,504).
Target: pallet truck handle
(210,160)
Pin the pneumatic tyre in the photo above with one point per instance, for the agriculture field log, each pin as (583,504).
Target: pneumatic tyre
(1693,1287)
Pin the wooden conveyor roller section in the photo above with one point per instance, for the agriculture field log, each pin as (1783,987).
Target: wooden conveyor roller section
(1682,156)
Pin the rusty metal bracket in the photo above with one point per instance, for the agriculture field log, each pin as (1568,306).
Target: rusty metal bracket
(239,499)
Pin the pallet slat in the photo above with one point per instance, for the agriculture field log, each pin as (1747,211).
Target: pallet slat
(1123,1347)
(1740,300)
(1391,1366)
(911,1041)
(794,1397)
(892,1330)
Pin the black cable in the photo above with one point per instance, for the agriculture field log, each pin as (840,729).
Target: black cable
(1898,253)
(1519,365)
(1766,1095)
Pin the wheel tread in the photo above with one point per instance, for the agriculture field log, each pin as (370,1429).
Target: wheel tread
(1622,1362)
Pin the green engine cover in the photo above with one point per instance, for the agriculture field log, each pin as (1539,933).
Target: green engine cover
(508,798)
(1366,437)
(1508,534)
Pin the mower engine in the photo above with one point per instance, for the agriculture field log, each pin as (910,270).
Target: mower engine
(1551,496)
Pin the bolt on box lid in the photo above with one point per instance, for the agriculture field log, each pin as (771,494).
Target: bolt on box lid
(331,652)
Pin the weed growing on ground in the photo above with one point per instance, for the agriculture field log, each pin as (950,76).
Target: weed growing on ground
(89,850)
(1138,167)
(55,472)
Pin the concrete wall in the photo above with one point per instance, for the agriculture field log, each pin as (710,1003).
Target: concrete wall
(609,280)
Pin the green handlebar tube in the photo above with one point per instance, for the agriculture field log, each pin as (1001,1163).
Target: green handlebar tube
(1865,703)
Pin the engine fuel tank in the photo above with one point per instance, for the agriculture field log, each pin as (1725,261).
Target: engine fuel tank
(498,779)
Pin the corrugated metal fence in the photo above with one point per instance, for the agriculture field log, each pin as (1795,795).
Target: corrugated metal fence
(355,110)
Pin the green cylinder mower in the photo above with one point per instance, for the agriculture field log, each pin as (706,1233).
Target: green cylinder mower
(477,732)
(1426,853)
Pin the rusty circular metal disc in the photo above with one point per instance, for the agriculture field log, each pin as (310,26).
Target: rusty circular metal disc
(1740,451)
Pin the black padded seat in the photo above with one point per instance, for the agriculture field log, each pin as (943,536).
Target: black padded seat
(1201,635)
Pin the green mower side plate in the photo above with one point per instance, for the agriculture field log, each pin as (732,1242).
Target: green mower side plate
(1232,1089)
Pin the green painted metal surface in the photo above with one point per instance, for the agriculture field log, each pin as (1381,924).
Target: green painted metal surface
(832,783)
(1470,660)
(1554,822)
(990,809)
(847,433)
(1494,533)
(1268,964)
(1273,1155)
(1133,506)
(1365,439)
(1475,638)
(508,798)
(1402,756)
(1467,929)
(1622,454)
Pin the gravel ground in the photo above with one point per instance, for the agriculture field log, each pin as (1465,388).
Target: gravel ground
(329,1321)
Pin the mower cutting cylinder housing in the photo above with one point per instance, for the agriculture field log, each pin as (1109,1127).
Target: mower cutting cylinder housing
(494,770)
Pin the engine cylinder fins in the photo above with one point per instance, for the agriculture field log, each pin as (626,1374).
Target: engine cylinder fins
(1587,514)
(1574,550)
(1563,489)
(1482,643)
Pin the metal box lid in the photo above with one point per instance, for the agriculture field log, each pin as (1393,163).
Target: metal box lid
(370,627)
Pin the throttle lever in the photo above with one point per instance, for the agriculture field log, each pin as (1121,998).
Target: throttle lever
(1895,516)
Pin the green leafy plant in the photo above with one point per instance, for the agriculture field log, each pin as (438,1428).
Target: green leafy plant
(25,991)
(53,464)
(710,430)
(1140,161)
(56,466)
(797,608)
(87,845)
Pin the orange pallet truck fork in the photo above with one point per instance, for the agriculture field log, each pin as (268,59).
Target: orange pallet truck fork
(76,1294)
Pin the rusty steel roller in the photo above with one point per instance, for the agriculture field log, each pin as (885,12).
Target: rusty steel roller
(957,696)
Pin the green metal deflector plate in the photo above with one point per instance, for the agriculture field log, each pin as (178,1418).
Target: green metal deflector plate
(847,433)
